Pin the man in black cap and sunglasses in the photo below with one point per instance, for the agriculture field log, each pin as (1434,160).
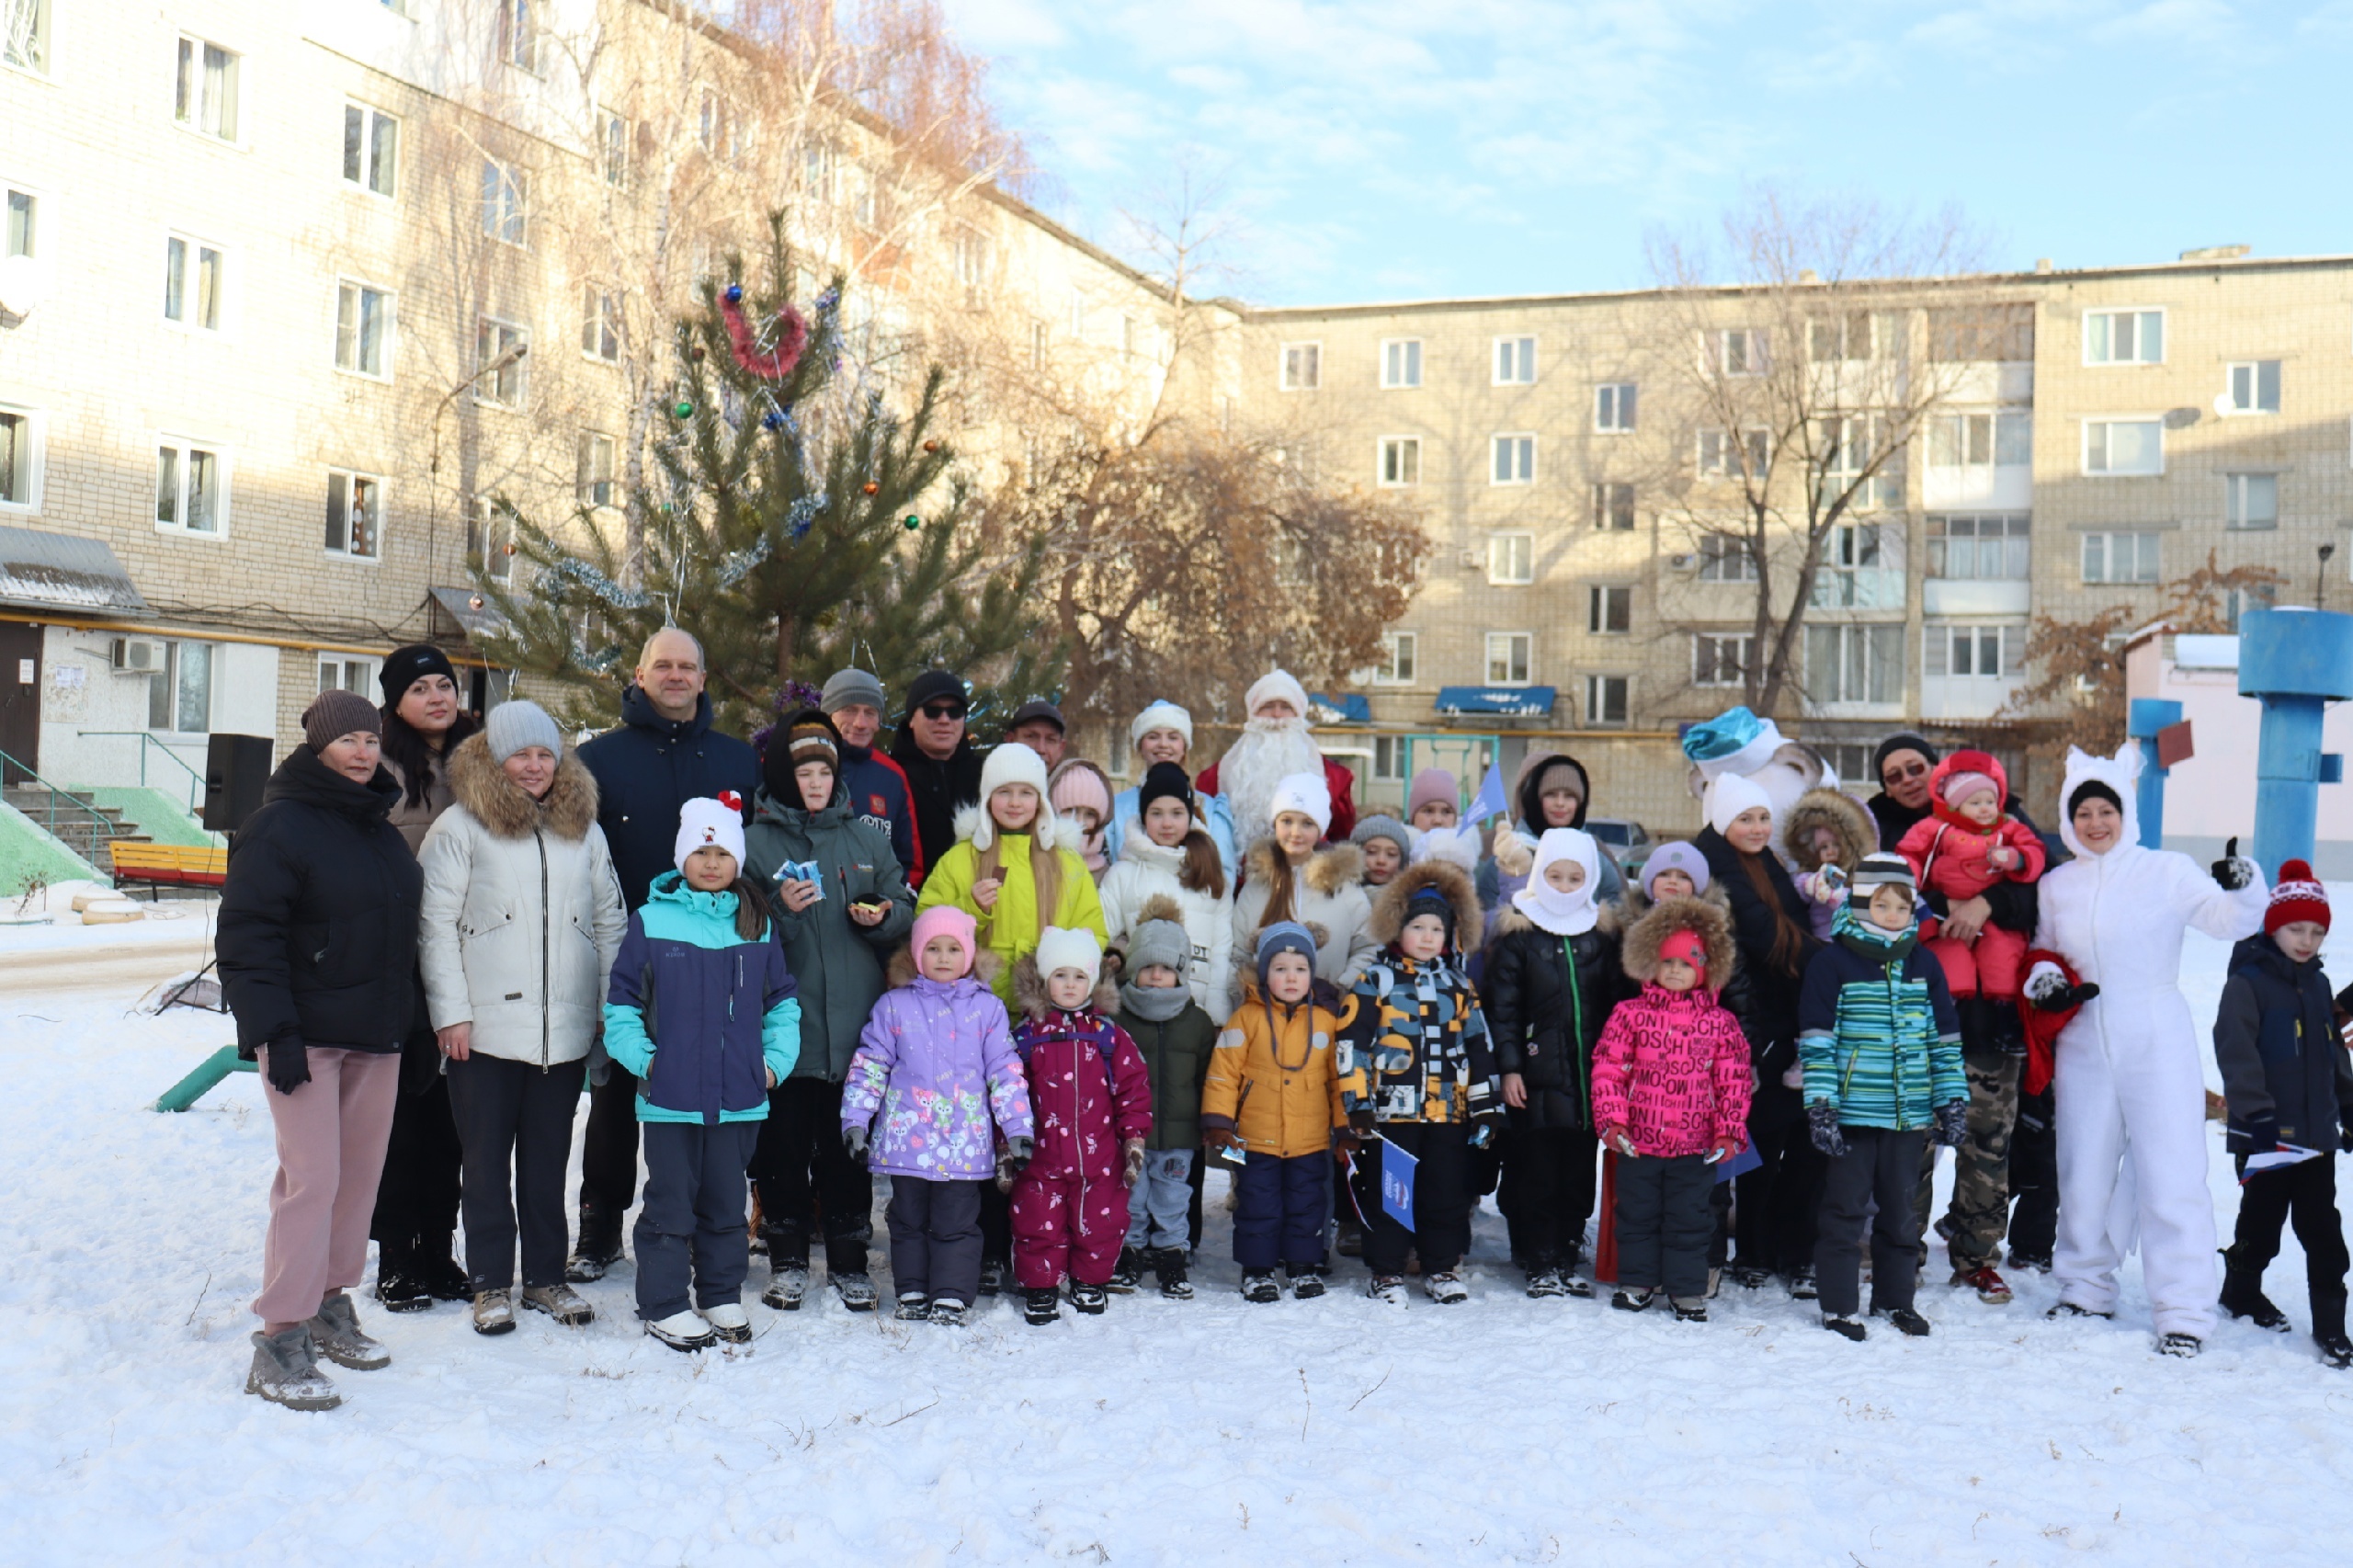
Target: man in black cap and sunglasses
(934,750)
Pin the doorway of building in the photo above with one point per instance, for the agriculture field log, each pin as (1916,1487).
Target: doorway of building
(19,702)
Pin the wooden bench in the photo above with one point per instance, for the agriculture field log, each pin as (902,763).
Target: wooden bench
(170,865)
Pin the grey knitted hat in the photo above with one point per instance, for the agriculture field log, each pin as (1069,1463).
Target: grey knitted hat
(518,722)
(336,714)
(1160,942)
(1390,828)
(844,687)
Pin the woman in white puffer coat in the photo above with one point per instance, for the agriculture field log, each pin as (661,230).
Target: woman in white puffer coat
(1167,850)
(2130,1083)
(521,921)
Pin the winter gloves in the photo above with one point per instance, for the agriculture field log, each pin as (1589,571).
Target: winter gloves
(2049,992)
(854,1140)
(1822,1125)
(1361,1121)
(1723,1149)
(2233,871)
(289,1067)
(1012,1160)
(1220,1138)
(2262,1134)
(1953,1124)
(1131,1161)
(1619,1141)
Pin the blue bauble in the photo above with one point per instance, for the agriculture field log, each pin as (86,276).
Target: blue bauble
(734,294)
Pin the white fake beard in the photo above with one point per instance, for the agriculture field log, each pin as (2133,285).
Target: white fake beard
(1269,751)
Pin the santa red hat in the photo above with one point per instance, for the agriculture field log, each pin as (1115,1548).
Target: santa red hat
(2298,896)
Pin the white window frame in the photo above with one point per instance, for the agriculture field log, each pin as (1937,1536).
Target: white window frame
(372,121)
(1511,559)
(1716,550)
(364,668)
(600,323)
(599,466)
(2249,374)
(506,202)
(520,34)
(1953,434)
(1511,458)
(1940,539)
(1605,506)
(169,683)
(352,480)
(1616,407)
(2241,488)
(493,533)
(1401,363)
(1401,659)
(613,147)
(1309,354)
(2010,639)
(1756,352)
(35,427)
(40,62)
(189,110)
(386,336)
(36,200)
(1514,359)
(1757,442)
(1708,657)
(2107,537)
(504,335)
(224,469)
(1841,633)
(1526,650)
(1600,598)
(2102,424)
(1408,446)
(2164,333)
(194,245)
(1596,693)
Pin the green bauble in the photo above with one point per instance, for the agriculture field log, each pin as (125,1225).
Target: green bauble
(682,409)
(911,523)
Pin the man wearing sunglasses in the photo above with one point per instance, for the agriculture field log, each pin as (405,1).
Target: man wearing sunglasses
(935,753)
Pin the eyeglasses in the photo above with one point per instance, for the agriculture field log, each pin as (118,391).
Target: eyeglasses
(1899,772)
(941,710)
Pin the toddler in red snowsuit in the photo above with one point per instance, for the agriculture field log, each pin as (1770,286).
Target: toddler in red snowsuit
(1090,1094)
(1964,846)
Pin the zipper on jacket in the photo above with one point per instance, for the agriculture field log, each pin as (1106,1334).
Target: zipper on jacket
(1577,1040)
(546,941)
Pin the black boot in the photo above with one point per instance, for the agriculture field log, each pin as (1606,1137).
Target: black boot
(2328,1331)
(2242,1297)
(1168,1263)
(2005,1031)
(438,1270)
(397,1285)
(600,1247)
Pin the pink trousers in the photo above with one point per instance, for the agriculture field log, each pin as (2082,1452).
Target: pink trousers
(331,1137)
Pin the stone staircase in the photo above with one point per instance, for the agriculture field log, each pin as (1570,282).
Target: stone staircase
(68,818)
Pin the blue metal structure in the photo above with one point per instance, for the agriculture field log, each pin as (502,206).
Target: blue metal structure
(2293,662)
(2149,715)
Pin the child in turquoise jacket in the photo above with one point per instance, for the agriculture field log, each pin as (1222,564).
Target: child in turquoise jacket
(702,1010)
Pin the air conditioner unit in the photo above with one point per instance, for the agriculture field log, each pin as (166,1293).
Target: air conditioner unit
(1682,562)
(138,656)
(1471,561)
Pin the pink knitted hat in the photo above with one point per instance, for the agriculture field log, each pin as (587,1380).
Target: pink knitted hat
(1960,785)
(946,920)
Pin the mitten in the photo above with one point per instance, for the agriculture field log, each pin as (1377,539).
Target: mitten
(1822,1125)
(2262,1134)
(1360,1121)
(289,1067)
(854,1140)
(1222,1138)
(2233,871)
(1011,1161)
(1131,1162)
(2345,1139)
(2049,992)
(1616,1138)
(1953,1124)
(1723,1149)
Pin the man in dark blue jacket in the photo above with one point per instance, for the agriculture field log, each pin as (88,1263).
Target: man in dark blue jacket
(663,754)
(876,785)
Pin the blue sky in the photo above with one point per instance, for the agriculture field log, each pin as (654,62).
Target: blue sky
(1381,149)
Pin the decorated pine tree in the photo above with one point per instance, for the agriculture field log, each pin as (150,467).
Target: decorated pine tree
(793,518)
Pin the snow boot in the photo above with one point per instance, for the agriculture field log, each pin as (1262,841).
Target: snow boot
(1089,1299)
(1749,1276)
(1258,1286)
(2069,1310)
(1306,1284)
(1690,1309)
(856,1291)
(398,1289)
(1849,1328)
(2033,1261)
(598,1248)
(1389,1288)
(1168,1263)
(728,1321)
(682,1330)
(787,1286)
(1041,1307)
(1544,1283)
(2242,1297)
(1715,1283)
(1905,1320)
(2185,1346)
(560,1301)
(1349,1239)
(493,1311)
(913,1307)
(2336,1350)
(1128,1273)
(286,1371)
(993,1273)
(1633,1301)
(435,1267)
(1802,1285)
(1446,1288)
(335,1334)
(1991,1287)
(947,1314)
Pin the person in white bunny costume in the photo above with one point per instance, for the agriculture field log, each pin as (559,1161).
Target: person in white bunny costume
(2130,1087)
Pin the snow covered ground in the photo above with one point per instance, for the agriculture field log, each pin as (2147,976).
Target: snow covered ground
(1502,1431)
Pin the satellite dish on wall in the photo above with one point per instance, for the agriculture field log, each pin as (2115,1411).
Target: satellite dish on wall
(2222,403)
(24,284)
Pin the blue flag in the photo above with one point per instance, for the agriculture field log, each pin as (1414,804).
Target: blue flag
(1490,801)
(1397,1183)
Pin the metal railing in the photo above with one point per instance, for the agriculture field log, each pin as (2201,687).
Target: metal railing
(10,767)
(195,780)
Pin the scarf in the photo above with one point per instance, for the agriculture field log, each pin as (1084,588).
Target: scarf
(1155,1004)
(1562,914)
(1870,939)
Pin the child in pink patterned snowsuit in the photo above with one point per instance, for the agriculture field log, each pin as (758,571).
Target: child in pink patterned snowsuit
(1090,1097)
(1670,1096)
(1964,846)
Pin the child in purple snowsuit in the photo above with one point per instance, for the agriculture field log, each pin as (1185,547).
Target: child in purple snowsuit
(936,1060)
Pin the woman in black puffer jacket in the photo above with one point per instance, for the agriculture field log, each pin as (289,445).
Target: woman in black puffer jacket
(1552,975)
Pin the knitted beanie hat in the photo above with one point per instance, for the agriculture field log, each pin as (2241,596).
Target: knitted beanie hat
(708,824)
(1880,870)
(1065,946)
(1306,793)
(1162,781)
(404,667)
(1161,716)
(1077,782)
(1390,828)
(1687,945)
(2298,895)
(1960,785)
(1730,795)
(339,713)
(1677,855)
(945,920)
(846,688)
(518,722)
(1433,784)
(1283,937)
(1162,942)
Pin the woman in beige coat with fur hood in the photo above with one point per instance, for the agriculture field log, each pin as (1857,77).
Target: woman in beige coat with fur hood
(521,919)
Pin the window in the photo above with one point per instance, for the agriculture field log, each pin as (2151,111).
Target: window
(2254,387)
(596,467)
(1953,651)
(2121,558)
(518,33)
(205,96)
(2251,500)
(24,208)
(1853,335)
(1515,361)
(1855,663)
(1613,406)
(2004,439)
(1725,557)
(1722,457)
(355,515)
(1741,352)
(192,282)
(1979,334)
(1400,659)
(1605,699)
(20,455)
(1401,362)
(339,673)
(1609,610)
(1400,460)
(2124,445)
(2124,337)
(179,699)
(1389,758)
(1127,335)
(817,171)
(1510,655)
(613,136)
(191,488)
(363,330)
(24,35)
(500,348)
(502,185)
(1511,559)
(1850,445)
(2238,601)
(1862,568)
(1302,367)
(1613,506)
(1514,460)
(372,149)
(601,324)
(1722,661)
(971,259)
(1978,549)
(491,535)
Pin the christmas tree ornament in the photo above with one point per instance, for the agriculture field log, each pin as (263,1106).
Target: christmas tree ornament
(931,446)
(911,523)
(695,354)
(733,294)
(682,409)
(871,488)
(772,420)
(768,364)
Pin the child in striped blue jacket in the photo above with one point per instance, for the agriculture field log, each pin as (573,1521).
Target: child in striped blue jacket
(1880,1046)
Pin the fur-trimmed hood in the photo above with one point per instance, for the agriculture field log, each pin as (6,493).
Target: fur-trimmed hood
(901,970)
(506,811)
(1705,916)
(1511,918)
(1450,880)
(1029,990)
(1326,872)
(1842,815)
(973,824)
